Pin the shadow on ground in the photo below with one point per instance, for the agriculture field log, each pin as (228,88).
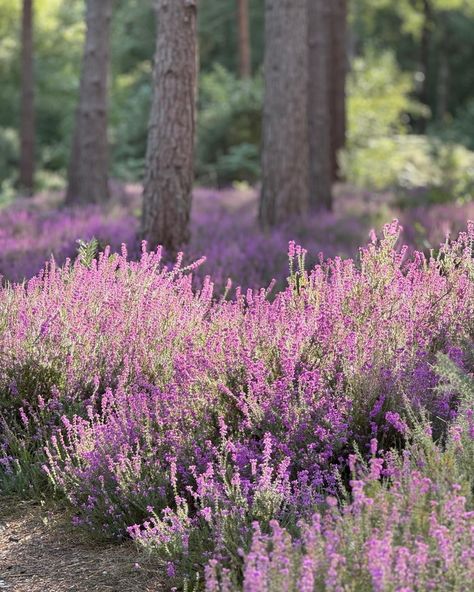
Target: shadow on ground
(40,552)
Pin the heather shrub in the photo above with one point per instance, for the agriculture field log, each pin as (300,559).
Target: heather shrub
(30,235)
(180,419)
(406,524)
(69,333)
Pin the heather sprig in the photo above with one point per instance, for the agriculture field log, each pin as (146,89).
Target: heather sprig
(404,526)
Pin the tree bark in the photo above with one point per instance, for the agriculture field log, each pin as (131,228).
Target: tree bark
(425,49)
(88,167)
(27,125)
(319,128)
(337,81)
(285,155)
(443,85)
(170,154)
(243,26)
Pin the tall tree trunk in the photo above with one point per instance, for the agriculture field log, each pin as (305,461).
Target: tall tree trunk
(319,128)
(27,125)
(285,156)
(337,81)
(443,86)
(170,155)
(88,167)
(425,48)
(243,26)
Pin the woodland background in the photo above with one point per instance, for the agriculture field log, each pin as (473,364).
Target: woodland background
(410,93)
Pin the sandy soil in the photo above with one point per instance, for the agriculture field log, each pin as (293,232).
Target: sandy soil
(41,552)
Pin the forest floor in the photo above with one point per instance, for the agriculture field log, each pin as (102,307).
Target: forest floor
(40,552)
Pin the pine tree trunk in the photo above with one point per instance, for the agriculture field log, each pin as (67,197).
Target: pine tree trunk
(443,85)
(170,155)
(318,111)
(27,126)
(88,167)
(425,49)
(337,81)
(285,156)
(243,25)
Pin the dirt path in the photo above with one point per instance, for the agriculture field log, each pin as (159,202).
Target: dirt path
(41,552)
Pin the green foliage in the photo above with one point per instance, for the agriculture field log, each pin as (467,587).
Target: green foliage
(133,45)
(379,98)
(26,476)
(460,442)
(9,148)
(229,128)
(381,86)
(87,251)
(378,106)
(218,34)
(460,129)
(381,154)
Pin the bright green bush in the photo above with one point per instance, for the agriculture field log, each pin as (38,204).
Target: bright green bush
(381,154)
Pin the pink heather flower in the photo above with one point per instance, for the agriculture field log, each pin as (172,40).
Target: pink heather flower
(170,569)
(210,574)
(352,462)
(373,446)
(206,513)
(24,417)
(306,583)
(395,420)
(291,249)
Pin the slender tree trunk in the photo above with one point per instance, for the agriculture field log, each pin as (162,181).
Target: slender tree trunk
(319,128)
(88,167)
(443,86)
(425,47)
(170,154)
(243,25)
(285,156)
(337,81)
(27,126)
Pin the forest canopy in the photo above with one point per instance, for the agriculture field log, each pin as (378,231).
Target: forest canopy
(420,58)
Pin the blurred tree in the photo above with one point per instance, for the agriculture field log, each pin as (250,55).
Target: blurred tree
(319,123)
(337,72)
(285,156)
(245,61)
(380,25)
(88,167)
(27,127)
(170,153)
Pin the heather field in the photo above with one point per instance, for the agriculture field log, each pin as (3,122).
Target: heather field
(236,296)
(312,433)
(224,230)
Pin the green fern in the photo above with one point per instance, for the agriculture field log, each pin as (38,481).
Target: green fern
(87,251)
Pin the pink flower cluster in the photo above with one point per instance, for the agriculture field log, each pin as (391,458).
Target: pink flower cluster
(180,419)
(411,532)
